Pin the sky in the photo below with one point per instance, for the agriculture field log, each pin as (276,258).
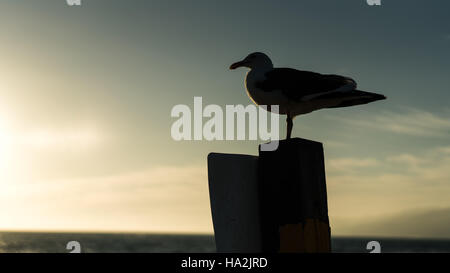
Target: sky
(86,95)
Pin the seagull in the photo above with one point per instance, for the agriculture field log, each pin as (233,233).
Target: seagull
(298,92)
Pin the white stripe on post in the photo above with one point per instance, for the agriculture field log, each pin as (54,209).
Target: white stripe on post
(233,190)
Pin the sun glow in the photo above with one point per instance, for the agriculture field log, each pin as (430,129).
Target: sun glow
(78,138)
(5,139)
(6,148)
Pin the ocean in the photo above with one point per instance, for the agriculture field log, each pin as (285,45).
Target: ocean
(21,242)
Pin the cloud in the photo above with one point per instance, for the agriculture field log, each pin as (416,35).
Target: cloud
(335,144)
(410,121)
(72,139)
(70,136)
(420,223)
(426,168)
(365,191)
(175,198)
(431,166)
(159,198)
(350,164)
(444,150)
(407,159)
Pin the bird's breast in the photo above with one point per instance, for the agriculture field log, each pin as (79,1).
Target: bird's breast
(261,97)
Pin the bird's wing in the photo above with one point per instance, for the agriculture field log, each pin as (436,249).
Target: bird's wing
(297,84)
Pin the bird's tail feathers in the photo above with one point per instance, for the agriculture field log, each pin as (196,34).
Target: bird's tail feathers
(356,97)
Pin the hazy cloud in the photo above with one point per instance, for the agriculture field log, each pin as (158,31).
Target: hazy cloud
(421,223)
(360,197)
(406,159)
(160,198)
(346,164)
(410,121)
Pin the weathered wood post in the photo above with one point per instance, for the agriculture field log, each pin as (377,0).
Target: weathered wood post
(293,198)
(276,202)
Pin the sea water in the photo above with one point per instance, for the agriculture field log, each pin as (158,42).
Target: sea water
(21,242)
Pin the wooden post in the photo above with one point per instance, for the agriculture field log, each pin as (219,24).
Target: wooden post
(276,202)
(293,198)
(233,187)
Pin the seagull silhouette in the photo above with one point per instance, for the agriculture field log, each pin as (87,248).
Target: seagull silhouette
(298,92)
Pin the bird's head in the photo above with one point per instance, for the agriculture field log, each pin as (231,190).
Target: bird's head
(254,60)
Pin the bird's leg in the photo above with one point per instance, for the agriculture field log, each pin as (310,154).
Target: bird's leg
(289,127)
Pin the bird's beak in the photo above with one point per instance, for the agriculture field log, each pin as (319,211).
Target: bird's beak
(237,64)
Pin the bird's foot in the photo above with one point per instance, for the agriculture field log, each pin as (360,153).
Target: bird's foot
(289,127)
